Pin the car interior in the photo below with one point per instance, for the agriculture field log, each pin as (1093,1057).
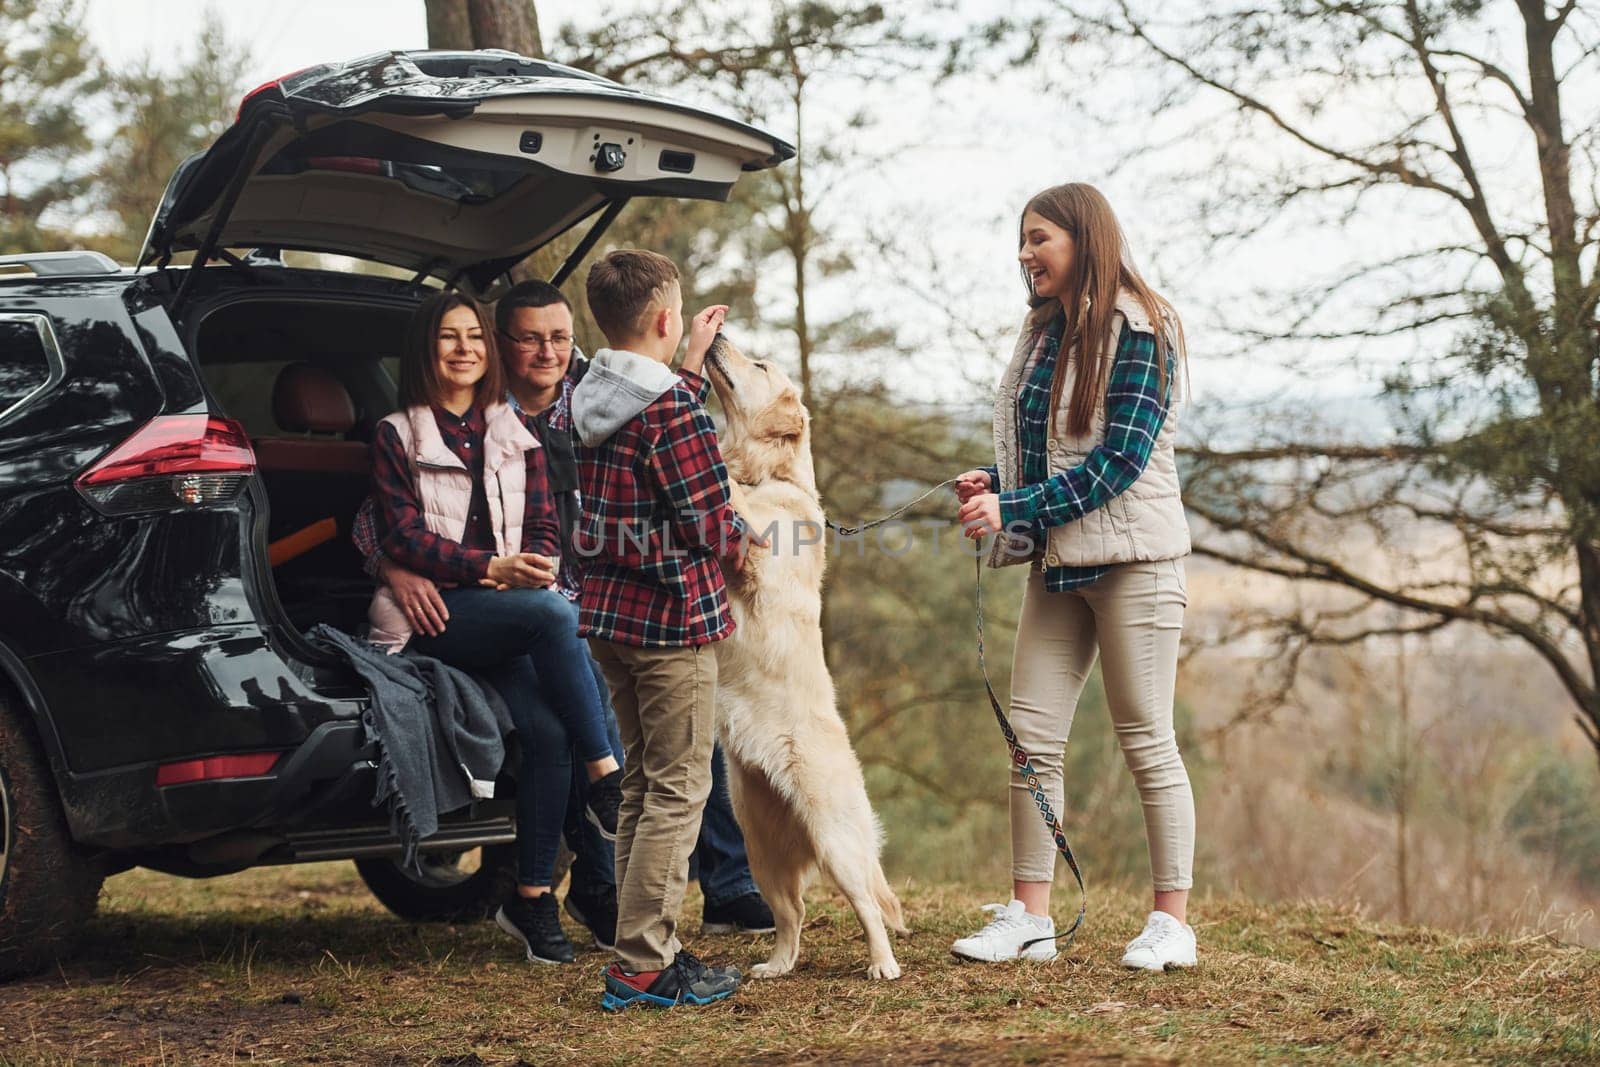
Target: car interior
(309,380)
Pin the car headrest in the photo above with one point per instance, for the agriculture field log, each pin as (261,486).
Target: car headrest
(309,399)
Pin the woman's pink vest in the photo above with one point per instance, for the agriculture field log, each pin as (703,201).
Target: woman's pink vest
(444,489)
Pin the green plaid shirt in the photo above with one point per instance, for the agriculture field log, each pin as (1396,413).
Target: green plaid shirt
(1135,411)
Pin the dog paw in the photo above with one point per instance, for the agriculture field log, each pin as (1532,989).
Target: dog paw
(770,970)
(887,971)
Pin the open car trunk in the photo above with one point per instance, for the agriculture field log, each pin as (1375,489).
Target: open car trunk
(280,364)
(450,165)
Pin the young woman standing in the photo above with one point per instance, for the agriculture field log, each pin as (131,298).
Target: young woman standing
(1085,488)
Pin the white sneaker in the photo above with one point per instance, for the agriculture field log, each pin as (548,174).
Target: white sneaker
(1008,935)
(1165,943)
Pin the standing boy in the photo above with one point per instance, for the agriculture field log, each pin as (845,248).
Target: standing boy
(657,523)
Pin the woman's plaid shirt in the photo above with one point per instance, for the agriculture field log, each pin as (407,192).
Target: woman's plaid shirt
(1135,411)
(364,533)
(403,533)
(656,520)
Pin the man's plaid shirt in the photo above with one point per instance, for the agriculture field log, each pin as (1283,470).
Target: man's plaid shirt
(656,519)
(558,418)
(1135,411)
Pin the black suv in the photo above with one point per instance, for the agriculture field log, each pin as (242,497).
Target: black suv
(182,450)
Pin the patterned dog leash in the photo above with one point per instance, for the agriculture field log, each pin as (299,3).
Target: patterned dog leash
(1021,762)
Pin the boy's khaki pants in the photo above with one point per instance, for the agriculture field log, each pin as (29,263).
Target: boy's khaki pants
(663,698)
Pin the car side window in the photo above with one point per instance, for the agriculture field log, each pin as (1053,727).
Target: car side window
(29,361)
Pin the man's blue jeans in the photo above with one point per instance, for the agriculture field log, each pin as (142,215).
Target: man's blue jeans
(724,866)
(593,858)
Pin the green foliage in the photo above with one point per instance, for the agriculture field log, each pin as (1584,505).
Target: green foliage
(164,115)
(56,187)
(709,241)
(47,69)
(1556,816)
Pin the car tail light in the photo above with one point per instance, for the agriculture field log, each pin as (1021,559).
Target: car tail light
(252,765)
(172,461)
(275,83)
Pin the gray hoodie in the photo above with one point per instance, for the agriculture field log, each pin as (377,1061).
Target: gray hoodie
(619,385)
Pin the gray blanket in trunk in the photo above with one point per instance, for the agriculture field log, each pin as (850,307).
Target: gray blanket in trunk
(440,738)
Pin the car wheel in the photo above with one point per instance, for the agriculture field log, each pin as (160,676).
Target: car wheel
(48,886)
(448,887)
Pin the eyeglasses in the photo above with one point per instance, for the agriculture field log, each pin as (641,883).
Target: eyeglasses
(559,342)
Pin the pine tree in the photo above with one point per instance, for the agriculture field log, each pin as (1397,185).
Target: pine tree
(163,117)
(47,70)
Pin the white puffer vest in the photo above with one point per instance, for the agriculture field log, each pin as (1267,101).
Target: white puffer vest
(444,489)
(1146,522)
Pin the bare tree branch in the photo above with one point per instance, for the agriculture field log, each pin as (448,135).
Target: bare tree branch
(1312,566)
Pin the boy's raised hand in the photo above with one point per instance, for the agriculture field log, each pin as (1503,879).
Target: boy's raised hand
(702,331)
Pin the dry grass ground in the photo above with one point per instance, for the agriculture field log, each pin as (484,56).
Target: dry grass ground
(300,965)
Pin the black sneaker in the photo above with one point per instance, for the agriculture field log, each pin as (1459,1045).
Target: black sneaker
(695,969)
(605,798)
(536,922)
(596,910)
(748,914)
(686,981)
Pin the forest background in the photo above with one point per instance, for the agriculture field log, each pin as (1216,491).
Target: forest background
(1380,222)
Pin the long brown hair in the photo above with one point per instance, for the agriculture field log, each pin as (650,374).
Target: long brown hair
(1100,267)
(419,359)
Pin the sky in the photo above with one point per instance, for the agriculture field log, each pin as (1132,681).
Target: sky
(948,197)
(931,210)
(284,35)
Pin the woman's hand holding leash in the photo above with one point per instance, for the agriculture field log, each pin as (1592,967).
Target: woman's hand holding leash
(980,515)
(972,483)
(982,508)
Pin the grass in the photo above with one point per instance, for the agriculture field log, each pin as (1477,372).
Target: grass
(300,965)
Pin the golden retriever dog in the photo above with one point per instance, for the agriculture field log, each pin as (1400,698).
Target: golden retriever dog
(796,784)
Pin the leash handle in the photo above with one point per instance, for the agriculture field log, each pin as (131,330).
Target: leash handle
(1022,763)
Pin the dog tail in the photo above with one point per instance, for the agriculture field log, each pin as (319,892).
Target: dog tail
(893,915)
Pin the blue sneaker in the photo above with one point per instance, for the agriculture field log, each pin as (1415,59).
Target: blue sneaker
(686,981)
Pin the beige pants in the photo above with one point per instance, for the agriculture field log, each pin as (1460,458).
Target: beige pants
(1133,618)
(663,700)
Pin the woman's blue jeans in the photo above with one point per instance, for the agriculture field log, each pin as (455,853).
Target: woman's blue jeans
(525,643)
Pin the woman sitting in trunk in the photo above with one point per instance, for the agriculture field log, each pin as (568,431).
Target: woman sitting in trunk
(463,498)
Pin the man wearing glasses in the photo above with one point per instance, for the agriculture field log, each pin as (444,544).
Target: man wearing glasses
(543,364)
